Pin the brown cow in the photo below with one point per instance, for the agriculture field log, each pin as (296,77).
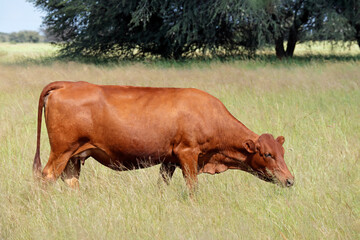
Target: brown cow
(127,128)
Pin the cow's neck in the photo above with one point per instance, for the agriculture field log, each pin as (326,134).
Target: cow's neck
(232,139)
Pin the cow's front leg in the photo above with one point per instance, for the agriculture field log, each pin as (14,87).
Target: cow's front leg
(189,165)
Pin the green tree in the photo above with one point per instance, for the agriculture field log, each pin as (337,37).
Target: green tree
(292,19)
(4,37)
(24,36)
(169,28)
(337,21)
(178,28)
(349,10)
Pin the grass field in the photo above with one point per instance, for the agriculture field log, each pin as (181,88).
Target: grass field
(315,105)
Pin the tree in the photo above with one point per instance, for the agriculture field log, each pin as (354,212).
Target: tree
(291,20)
(168,28)
(4,37)
(350,10)
(298,20)
(178,28)
(24,36)
(50,36)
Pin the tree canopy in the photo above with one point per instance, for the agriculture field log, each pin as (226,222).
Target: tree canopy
(21,37)
(174,29)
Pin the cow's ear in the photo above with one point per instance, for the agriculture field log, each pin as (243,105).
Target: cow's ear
(280,140)
(249,145)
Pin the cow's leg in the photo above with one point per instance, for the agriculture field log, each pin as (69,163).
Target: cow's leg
(166,171)
(71,173)
(56,165)
(189,166)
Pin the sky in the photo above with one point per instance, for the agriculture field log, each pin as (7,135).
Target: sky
(18,15)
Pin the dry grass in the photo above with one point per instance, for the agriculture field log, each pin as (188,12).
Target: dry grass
(315,106)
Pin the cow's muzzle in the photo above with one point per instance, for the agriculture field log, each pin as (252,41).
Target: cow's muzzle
(289,182)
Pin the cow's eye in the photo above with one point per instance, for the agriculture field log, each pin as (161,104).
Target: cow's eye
(267,155)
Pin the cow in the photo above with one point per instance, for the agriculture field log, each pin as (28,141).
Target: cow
(126,128)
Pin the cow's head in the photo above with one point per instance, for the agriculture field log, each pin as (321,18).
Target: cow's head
(266,159)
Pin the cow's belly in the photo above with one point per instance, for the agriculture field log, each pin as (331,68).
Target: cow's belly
(122,162)
(135,144)
(124,147)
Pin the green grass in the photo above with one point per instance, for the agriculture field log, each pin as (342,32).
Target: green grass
(315,105)
(18,52)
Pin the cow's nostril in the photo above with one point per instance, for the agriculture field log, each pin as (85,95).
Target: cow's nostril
(289,182)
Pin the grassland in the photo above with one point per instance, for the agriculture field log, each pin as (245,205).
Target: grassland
(315,104)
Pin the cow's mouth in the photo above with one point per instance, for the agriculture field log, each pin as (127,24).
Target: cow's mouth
(267,178)
(271,178)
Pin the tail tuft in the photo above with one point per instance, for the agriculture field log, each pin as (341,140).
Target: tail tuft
(37,166)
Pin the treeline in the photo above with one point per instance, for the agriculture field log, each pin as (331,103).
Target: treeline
(180,28)
(22,37)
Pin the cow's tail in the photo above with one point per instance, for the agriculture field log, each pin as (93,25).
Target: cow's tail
(50,87)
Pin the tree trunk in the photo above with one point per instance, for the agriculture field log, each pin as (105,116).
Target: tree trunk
(177,53)
(292,39)
(279,47)
(357,36)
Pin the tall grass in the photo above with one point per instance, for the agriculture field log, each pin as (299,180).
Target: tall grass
(315,106)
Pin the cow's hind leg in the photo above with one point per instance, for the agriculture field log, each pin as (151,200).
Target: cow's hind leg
(166,171)
(55,166)
(71,173)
